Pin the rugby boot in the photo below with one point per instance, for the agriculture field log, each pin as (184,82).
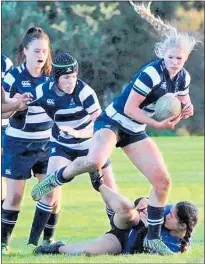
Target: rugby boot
(49,248)
(49,241)
(96,180)
(44,187)
(4,249)
(156,246)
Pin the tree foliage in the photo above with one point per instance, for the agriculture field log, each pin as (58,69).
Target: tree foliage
(109,40)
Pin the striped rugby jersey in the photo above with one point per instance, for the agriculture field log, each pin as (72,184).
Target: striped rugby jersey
(152,81)
(32,123)
(71,110)
(6,66)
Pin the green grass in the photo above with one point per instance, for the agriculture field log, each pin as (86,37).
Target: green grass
(83,217)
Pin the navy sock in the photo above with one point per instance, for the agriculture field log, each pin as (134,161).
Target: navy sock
(49,229)
(59,177)
(109,212)
(155,221)
(8,222)
(41,217)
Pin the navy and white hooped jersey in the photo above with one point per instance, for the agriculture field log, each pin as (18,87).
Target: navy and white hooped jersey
(32,123)
(152,81)
(6,66)
(72,110)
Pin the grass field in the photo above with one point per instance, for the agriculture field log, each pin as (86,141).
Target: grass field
(83,216)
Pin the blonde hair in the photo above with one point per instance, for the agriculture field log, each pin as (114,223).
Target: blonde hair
(171,37)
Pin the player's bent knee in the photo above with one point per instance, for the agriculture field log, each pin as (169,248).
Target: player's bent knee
(50,199)
(94,164)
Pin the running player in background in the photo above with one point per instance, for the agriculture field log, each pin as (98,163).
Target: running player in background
(73,105)
(124,121)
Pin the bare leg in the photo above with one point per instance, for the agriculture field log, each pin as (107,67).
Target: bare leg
(3,188)
(11,208)
(125,213)
(105,244)
(148,159)
(101,147)
(15,191)
(117,202)
(109,179)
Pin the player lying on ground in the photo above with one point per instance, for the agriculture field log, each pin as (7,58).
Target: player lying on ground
(129,227)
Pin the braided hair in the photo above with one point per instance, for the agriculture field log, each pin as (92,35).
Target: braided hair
(31,34)
(187,213)
(171,37)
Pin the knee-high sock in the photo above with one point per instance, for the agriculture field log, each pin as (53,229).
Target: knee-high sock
(8,222)
(49,229)
(41,217)
(155,221)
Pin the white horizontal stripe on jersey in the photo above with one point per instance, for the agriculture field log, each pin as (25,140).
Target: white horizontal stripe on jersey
(35,109)
(142,86)
(9,79)
(151,106)
(123,120)
(75,123)
(40,118)
(185,92)
(153,74)
(79,146)
(13,132)
(69,111)
(85,92)
(93,108)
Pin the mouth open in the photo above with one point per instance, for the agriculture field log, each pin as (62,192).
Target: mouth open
(40,61)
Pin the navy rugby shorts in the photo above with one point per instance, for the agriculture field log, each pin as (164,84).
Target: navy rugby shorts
(23,156)
(123,138)
(70,154)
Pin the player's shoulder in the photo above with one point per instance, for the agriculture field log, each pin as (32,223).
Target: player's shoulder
(81,85)
(17,72)
(156,65)
(46,87)
(185,77)
(83,88)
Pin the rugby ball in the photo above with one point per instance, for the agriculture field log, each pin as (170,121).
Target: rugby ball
(166,106)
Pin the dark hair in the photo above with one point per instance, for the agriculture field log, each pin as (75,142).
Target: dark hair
(30,35)
(187,213)
(64,63)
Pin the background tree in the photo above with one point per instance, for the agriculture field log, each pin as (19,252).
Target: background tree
(109,40)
